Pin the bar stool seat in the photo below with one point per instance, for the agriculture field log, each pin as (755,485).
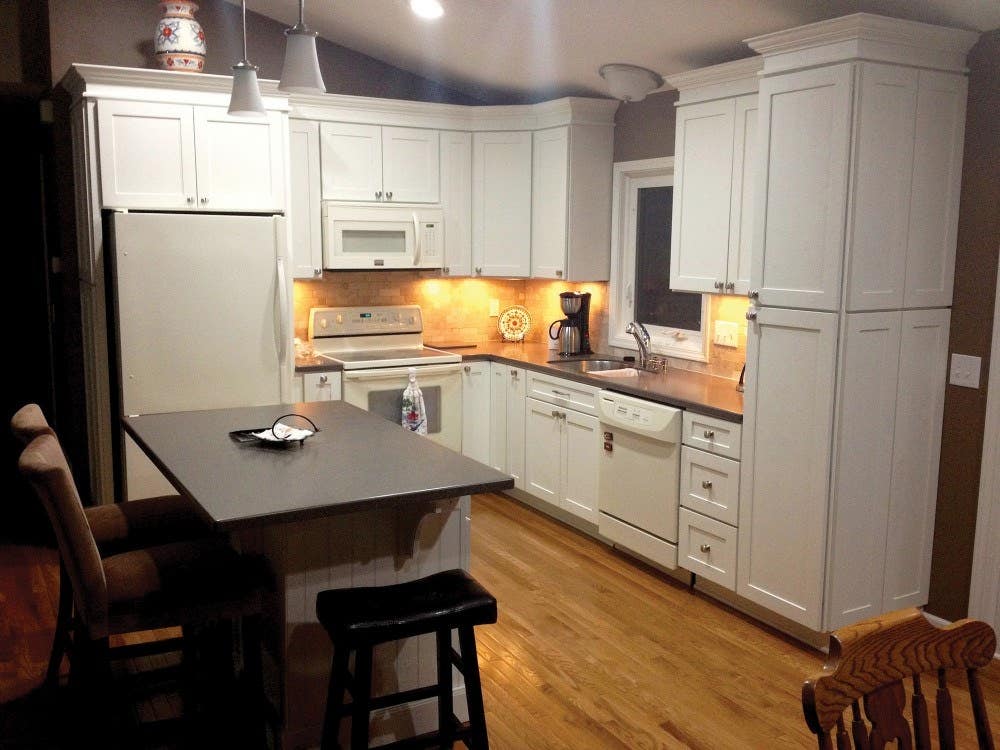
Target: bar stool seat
(359,618)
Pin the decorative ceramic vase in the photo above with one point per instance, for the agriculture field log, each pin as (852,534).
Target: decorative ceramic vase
(179,42)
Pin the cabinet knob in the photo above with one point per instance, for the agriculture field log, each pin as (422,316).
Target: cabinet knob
(731,286)
(445,271)
(323,379)
(467,369)
(706,484)
(751,314)
(559,274)
(478,270)
(513,374)
(754,294)
(718,285)
(378,195)
(190,200)
(706,548)
(317,271)
(709,434)
(389,195)
(204,201)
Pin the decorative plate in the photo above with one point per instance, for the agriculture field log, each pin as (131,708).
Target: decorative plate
(514,323)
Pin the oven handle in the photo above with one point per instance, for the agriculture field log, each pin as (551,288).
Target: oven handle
(389,373)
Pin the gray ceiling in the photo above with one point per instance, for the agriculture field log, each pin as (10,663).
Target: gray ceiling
(529,50)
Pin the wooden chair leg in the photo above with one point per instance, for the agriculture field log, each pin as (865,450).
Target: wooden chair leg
(60,638)
(479,739)
(446,709)
(361,693)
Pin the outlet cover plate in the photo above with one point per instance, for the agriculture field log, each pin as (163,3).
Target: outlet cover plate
(727,333)
(965,370)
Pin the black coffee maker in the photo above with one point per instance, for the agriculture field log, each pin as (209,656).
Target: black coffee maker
(576,306)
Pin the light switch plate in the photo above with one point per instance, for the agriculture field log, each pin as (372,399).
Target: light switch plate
(965,370)
(727,333)
(494,308)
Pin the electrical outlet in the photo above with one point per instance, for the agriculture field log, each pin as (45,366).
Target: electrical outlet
(494,308)
(727,333)
(965,370)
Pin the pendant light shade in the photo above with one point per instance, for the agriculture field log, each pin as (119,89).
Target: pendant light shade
(300,73)
(630,83)
(245,100)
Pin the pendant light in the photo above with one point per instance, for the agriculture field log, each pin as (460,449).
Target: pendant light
(245,100)
(300,74)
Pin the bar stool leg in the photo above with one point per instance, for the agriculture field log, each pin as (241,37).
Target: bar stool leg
(335,698)
(361,692)
(478,739)
(446,709)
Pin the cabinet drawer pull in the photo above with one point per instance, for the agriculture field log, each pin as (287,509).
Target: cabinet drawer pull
(706,484)
(706,548)
(709,434)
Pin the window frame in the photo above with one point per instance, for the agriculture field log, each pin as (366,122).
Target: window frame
(628,177)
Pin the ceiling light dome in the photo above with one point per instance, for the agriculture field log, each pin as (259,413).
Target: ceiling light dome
(630,83)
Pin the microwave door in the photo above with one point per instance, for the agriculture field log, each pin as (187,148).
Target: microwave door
(372,244)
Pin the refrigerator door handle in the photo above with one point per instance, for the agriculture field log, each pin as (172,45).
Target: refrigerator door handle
(283,310)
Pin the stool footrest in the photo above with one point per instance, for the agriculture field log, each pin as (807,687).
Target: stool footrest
(395,699)
(430,739)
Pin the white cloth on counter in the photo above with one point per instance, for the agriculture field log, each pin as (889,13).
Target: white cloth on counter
(282,432)
(414,413)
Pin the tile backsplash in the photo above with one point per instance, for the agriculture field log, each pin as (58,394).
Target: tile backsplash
(456,311)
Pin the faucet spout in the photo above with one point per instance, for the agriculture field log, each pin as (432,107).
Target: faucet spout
(641,336)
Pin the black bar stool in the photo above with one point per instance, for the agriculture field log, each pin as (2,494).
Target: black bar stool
(358,619)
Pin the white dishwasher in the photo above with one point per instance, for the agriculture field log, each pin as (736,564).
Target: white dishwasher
(639,476)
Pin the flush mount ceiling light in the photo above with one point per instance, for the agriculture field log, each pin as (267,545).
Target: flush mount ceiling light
(630,83)
(245,100)
(429,9)
(300,73)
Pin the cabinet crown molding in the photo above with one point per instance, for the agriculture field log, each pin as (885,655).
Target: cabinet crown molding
(865,36)
(718,81)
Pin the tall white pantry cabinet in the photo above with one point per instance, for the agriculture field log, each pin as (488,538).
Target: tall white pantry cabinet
(861,124)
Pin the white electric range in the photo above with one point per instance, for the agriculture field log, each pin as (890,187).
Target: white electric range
(377,346)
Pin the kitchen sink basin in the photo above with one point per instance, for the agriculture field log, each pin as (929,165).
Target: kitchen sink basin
(589,365)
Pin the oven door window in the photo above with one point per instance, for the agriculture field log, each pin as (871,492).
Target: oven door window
(389,404)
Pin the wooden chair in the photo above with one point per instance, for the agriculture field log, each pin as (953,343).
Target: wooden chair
(867,664)
(121,527)
(187,584)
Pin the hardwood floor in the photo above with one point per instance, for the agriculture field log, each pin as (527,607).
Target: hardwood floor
(592,651)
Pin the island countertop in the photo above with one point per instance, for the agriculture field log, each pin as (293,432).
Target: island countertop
(355,461)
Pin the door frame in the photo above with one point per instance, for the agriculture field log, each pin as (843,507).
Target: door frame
(984,590)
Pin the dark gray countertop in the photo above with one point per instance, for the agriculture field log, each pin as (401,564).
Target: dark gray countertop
(356,460)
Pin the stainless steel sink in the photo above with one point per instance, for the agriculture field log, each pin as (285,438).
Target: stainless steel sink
(589,365)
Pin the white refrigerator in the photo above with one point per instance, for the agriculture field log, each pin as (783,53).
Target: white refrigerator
(202,319)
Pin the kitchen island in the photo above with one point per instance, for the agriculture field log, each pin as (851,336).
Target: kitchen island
(362,502)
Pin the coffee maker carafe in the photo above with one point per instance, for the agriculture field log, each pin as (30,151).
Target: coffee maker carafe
(573,333)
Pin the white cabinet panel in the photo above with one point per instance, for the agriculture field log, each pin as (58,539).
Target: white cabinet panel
(744,178)
(550,165)
(581,457)
(321,386)
(805,122)
(476,398)
(240,160)
(923,359)
(147,155)
(711,434)
(456,202)
(859,507)
(703,173)
(710,484)
(304,214)
(410,165)
(507,421)
(876,246)
(543,450)
(499,374)
(501,203)
(937,175)
(707,547)
(352,161)
(784,481)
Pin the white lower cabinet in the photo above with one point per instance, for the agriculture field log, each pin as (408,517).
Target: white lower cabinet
(476,385)
(707,547)
(506,453)
(321,386)
(562,454)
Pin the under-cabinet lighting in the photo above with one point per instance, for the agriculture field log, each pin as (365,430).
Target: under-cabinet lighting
(429,9)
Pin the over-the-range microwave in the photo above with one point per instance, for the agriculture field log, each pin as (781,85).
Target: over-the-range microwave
(382,236)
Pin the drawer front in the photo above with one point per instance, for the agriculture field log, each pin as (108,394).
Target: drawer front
(710,484)
(563,393)
(708,548)
(638,542)
(711,434)
(321,386)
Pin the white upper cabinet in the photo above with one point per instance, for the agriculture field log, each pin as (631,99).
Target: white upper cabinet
(501,203)
(157,155)
(304,214)
(456,202)
(571,203)
(376,163)
(742,203)
(801,196)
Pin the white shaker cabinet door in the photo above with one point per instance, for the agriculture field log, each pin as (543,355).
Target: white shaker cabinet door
(801,196)
(934,201)
(501,203)
(863,450)
(351,161)
(549,196)
(582,445)
(499,374)
(516,427)
(410,165)
(543,450)
(456,202)
(147,155)
(784,480)
(877,240)
(923,365)
(241,161)
(476,411)
(703,173)
(744,181)
(304,199)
